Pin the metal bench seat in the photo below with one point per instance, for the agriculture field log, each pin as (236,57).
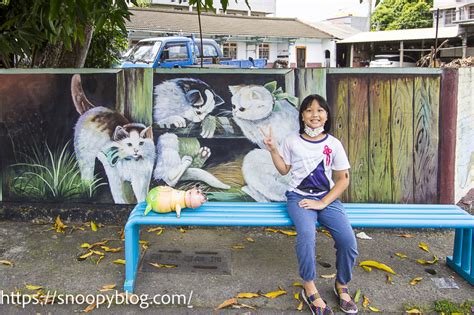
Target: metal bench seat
(369,215)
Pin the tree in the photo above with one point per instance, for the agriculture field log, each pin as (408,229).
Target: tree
(55,33)
(402,14)
(106,47)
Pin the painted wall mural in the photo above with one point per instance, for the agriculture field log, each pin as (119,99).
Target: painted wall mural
(109,137)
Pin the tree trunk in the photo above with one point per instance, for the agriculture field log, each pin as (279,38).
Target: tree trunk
(57,56)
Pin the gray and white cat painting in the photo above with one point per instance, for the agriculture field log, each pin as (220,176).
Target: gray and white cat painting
(256,107)
(182,159)
(126,150)
(184,101)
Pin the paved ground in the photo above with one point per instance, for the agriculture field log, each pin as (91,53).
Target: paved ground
(49,259)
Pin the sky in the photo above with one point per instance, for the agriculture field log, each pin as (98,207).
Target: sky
(317,10)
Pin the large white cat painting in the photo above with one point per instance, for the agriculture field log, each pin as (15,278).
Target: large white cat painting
(256,107)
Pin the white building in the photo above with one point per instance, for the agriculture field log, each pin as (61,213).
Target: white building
(241,37)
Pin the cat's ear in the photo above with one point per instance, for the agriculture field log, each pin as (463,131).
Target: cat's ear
(234,89)
(147,133)
(120,133)
(218,100)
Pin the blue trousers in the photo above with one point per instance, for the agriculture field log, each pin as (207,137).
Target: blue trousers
(335,220)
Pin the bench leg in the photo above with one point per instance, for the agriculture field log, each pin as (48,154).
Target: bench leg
(462,260)
(132,253)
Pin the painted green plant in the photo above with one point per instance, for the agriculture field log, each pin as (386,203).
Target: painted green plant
(51,175)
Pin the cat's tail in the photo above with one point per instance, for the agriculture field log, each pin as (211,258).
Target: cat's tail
(79,98)
(195,174)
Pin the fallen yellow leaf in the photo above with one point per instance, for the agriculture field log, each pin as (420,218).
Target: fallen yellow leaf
(182,230)
(325,232)
(249,239)
(119,261)
(99,260)
(413,311)
(401,255)
(374,309)
(367,268)
(357,296)
(157,265)
(300,306)
(331,276)
(287,232)
(97,252)
(107,287)
(93,226)
(111,250)
(227,303)
(376,264)
(85,245)
(427,262)
(88,246)
(84,256)
(6,262)
(297,296)
(242,305)
(247,295)
(271,230)
(89,308)
(416,280)
(297,284)
(238,246)
(33,287)
(365,301)
(160,232)
(389,279)
(424,247)
(158,228)
(59,226)
(405,235)
(274,294)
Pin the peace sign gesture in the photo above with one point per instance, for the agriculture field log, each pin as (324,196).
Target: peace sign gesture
(268,139)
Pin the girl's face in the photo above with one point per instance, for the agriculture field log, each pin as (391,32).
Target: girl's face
(314,116)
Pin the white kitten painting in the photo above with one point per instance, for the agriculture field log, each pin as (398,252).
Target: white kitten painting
(256,107)
(126,150)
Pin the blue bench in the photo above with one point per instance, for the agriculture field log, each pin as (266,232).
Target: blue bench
(275,214)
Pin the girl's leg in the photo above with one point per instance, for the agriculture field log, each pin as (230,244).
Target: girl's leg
(334,218)
(305,223)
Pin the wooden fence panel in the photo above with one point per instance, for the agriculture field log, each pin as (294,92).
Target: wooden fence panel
(426,118)
(402,140)
(380,175)
(358,138)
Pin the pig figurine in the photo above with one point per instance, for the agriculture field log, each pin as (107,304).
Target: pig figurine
(164,199)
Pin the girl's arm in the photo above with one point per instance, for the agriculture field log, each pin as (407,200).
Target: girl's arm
(280,165)
(341,182)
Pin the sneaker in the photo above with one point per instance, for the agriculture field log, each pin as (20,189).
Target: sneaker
(348,307)
(316,310)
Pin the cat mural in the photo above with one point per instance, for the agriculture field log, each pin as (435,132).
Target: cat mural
(184,101)
(125,149)
(182,159)
(256,108)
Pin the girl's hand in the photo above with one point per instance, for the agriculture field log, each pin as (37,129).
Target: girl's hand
(268,140)
(312,204)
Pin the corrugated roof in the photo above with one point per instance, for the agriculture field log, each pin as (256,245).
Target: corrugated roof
(398,35)
(339,31)
(220,24)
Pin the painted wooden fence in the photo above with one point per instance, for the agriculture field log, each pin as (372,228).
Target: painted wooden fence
(388,123)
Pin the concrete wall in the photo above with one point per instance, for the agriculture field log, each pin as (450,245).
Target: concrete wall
(464,177)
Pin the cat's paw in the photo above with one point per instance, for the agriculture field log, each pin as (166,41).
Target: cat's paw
(204,153)
(177,121)
(208,127)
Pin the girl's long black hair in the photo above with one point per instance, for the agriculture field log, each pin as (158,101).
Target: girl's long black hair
(308,100)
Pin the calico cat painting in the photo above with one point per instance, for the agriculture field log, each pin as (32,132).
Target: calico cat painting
(182,159)
(126,150)
(256,108)
(186,101)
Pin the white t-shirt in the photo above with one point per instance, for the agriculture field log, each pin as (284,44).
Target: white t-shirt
(312,163)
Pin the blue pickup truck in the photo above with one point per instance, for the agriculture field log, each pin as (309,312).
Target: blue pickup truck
(177,52)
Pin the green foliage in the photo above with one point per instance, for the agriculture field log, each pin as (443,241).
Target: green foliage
(446,307)
(106,47)
(402,14)
(29,26)
(51,176)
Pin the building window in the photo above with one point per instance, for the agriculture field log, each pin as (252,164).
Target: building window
(264,51)
(230,50)
(449,16)
(471,12)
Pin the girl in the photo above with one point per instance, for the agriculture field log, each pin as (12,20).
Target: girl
(315,158)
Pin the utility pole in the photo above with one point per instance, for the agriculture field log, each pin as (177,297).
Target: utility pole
(436,36)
